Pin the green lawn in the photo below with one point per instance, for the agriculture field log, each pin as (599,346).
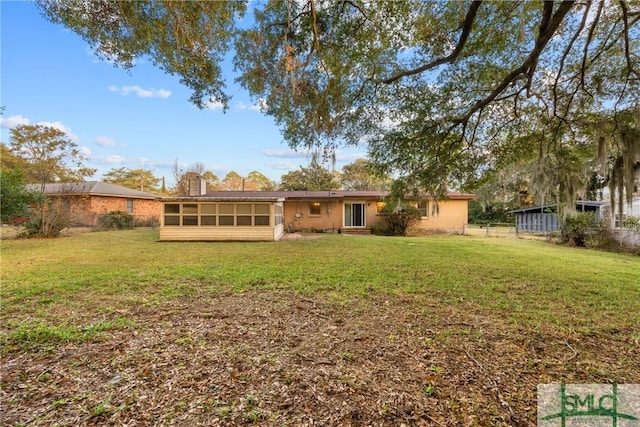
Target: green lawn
(118,328)
(528,280)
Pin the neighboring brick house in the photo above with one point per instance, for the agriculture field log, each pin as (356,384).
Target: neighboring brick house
(87,201)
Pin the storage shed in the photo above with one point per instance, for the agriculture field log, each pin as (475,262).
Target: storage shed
(544,219)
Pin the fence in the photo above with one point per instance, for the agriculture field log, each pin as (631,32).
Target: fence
(497,229)
(626,237)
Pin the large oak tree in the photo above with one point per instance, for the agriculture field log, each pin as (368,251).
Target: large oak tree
(440,92)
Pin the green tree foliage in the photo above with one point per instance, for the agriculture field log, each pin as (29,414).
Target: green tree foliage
(400,212)
(577,228)
(434,88)
(487,214)
(619,155)
(632,223)
(362,176)
(212,180)
(507,188)
(137,179)
(254,181)
(260,182)
(312,178)
(232,181)
(9,161)
(15,198)
(48,155)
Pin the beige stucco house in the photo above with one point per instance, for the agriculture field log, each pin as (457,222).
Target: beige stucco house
(267,215)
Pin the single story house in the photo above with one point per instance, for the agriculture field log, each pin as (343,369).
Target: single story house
(267,215)
(87,201)
(544,218)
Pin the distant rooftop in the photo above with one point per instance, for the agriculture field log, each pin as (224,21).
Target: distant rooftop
(581,205)
(93,188)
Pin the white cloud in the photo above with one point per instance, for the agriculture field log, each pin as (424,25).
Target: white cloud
(105,141)
(147,163)
(260,106)
(84,151)
(213,105)
(17,120)
(58,125)
(13,121)
(140,92)
(114,158)
(287,166)
(133,163)
(285,154)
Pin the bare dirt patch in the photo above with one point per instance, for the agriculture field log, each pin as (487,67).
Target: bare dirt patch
(274,358)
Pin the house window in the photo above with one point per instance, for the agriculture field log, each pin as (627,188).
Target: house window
(208,214)
(423,207)
(380,207)
(190,214)
(218,214)
(262,211)
(172,214)
(244,214)
(314,208)
(129,206)
(617,223)
(226,214)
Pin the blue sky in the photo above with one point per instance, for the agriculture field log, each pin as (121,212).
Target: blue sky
(138,118)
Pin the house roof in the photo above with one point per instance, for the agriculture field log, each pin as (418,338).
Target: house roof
(93,188)
(586,205)
(301,195)
(226,198)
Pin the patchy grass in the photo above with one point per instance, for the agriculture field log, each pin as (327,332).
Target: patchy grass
(373,330)
(33,334)
(531,281)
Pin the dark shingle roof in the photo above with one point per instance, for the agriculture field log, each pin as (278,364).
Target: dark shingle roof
(93,188)
(315,195)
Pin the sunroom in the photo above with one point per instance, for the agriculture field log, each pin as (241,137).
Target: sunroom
(223,219)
